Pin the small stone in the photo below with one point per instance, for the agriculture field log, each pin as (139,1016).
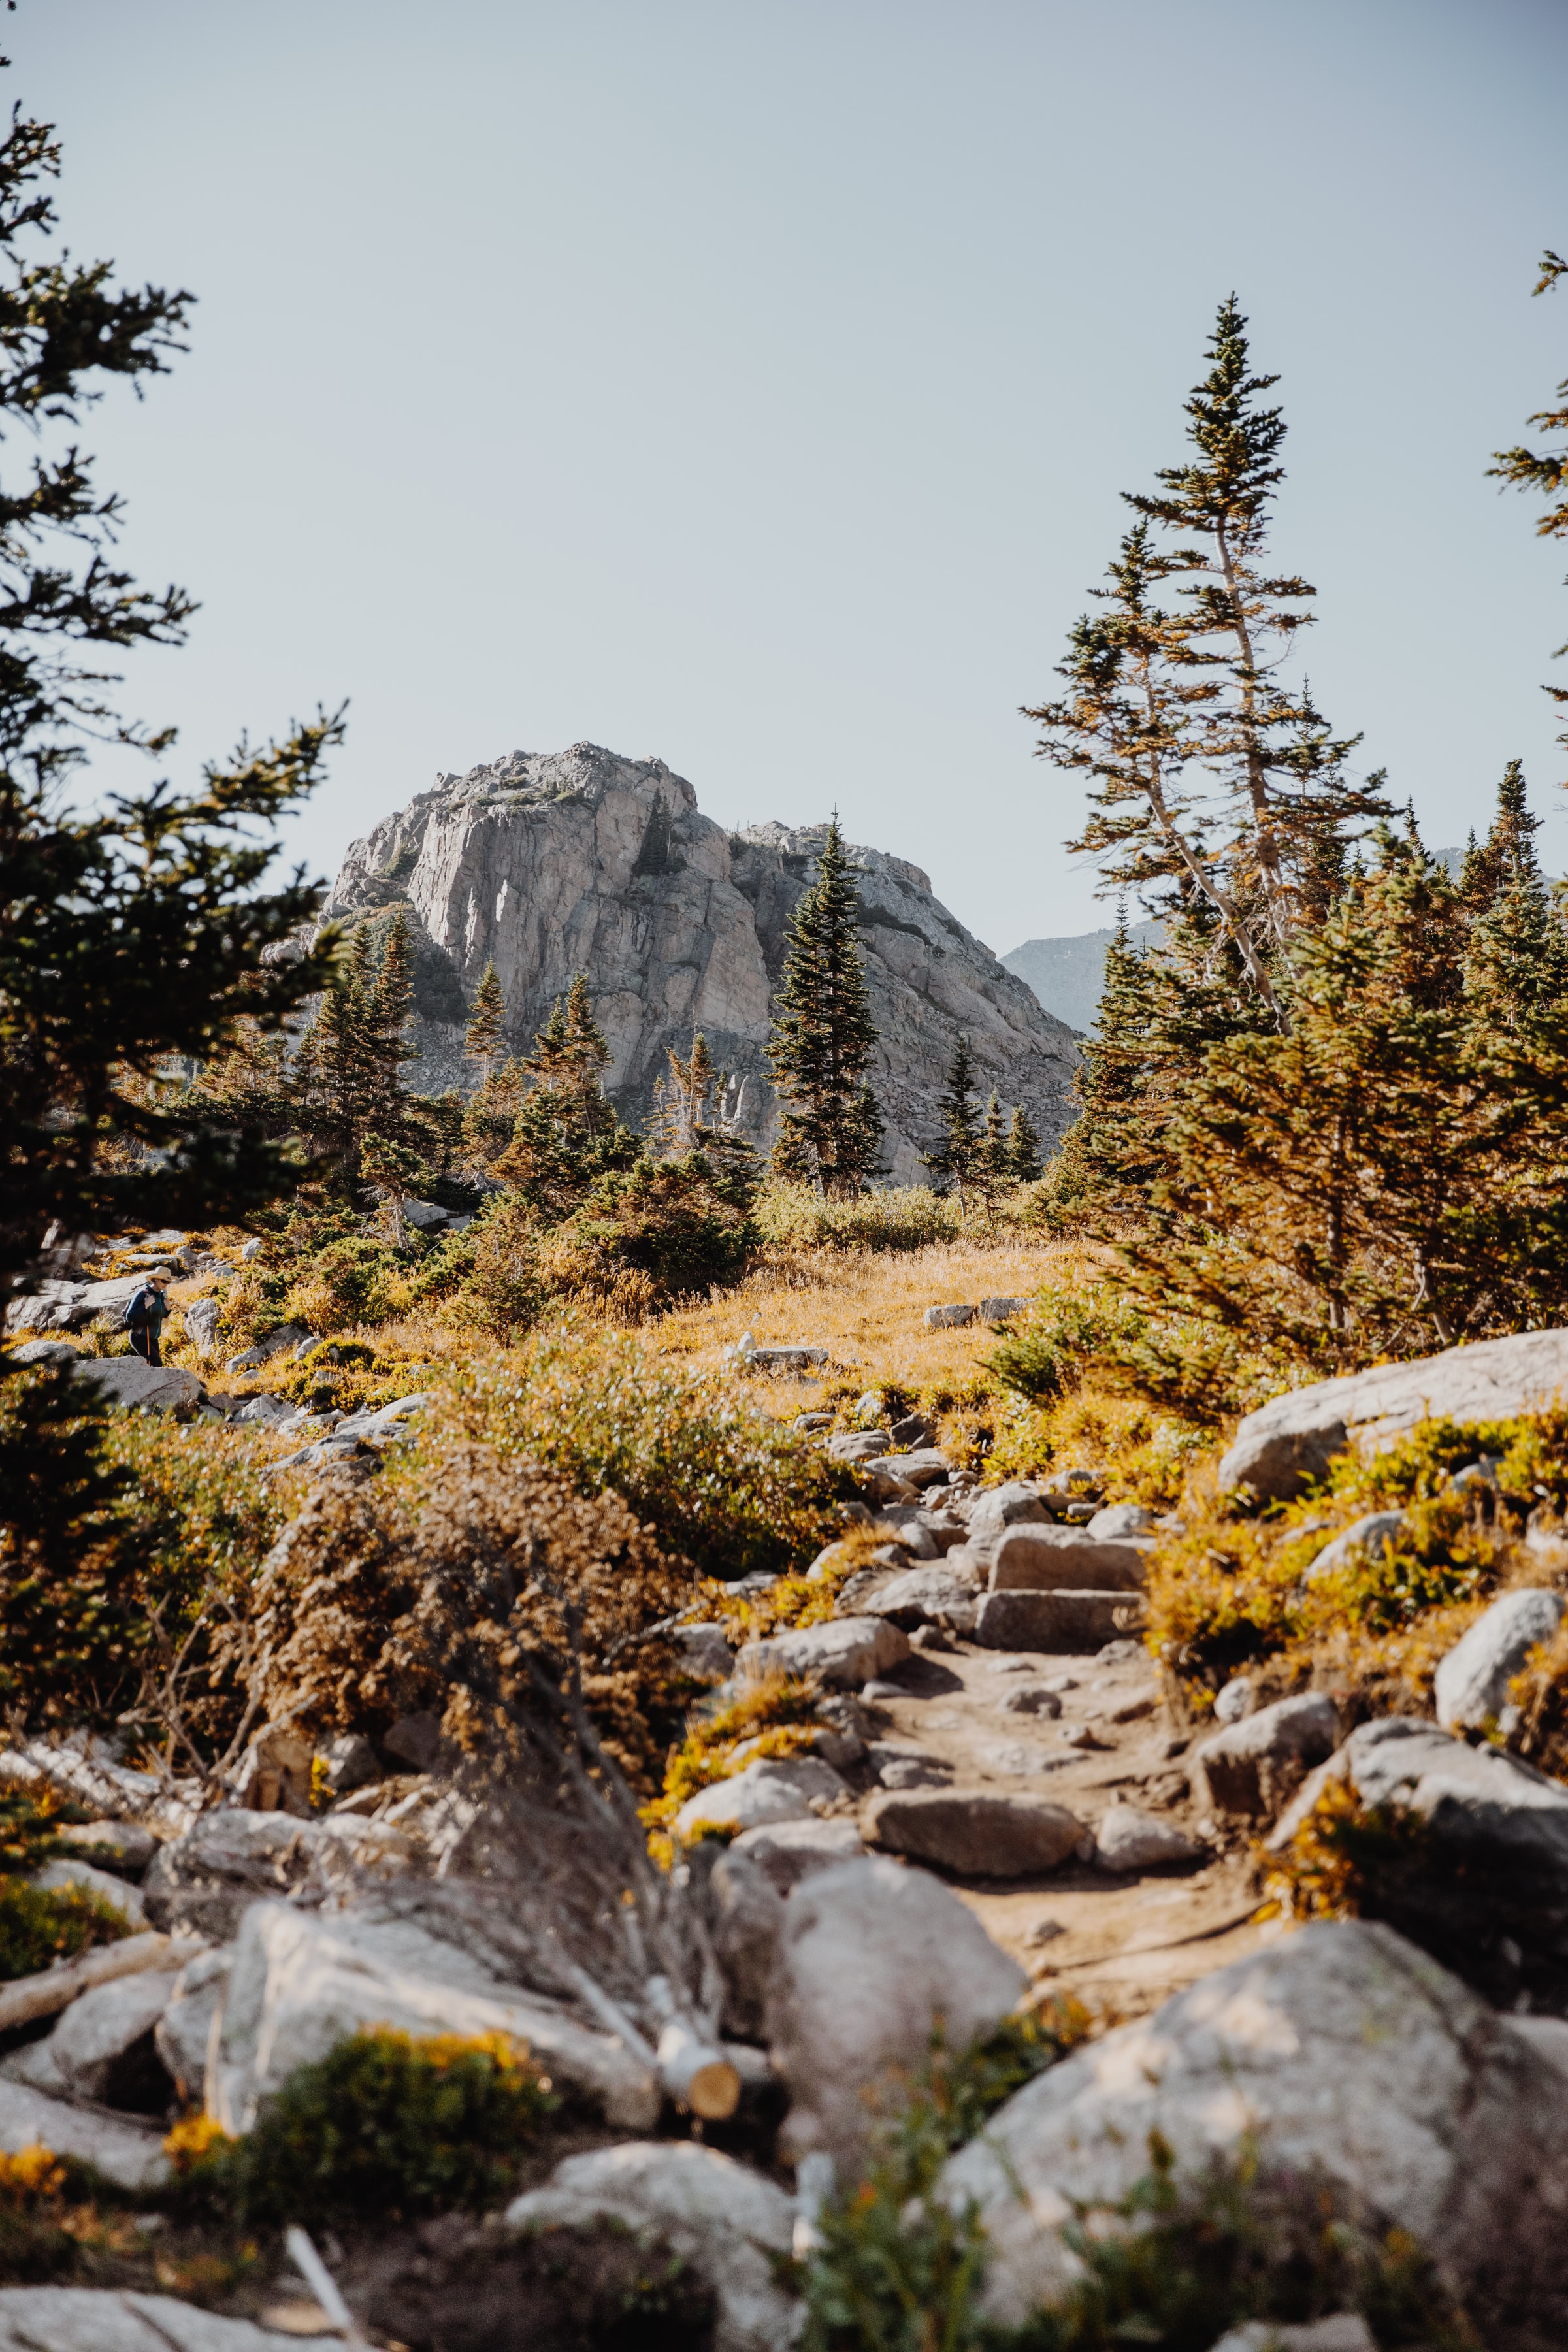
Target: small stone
(1121,1519)
(772,1790)
(948,1319)
(1129,1839)
(1252,1768)
(1237,1699)
(1471,1683)
(1044,1931)
(980,1834)
(1032,1698)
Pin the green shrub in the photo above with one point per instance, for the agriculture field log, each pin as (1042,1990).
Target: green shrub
(41,1925)
(895,2270)
(795,1216)
(681,1224)
(717,1482)
(384,2126)
(355,1280)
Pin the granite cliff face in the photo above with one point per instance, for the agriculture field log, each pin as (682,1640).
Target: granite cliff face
(576,861)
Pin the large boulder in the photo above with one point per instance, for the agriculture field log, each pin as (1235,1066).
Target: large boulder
(1470,1687)
(102,2046)
(1056,1622)
(745,1920)
(773,1788)
(202,1317)
(1278,1449)
(1052,1559)
(1016,1505)
(1130,1839)
(730,2224)
(872,1957)
(1254,1767)
(924,1596)
(1472,1858)
(302,1983)
(842,1655)
(201,1884)
(113,2319)
(1341,2055)
(975,1832)
(141,1388)
(80,1772)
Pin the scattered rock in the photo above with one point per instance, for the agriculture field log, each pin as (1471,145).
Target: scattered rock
(110,2319)
(202,1883)
(95,2045)
(948,1319)
(415,1740)
(912,1432)
(1129,1839)
(274,1775)
(1013,1505)
(1345,2332)
(131,2158)
(705,1652)
(731,2225)
(1471,1683)
(88,1778)
(303,1982)
(1054,1560)
(924,1596)
(202,1317)
(65,1870)
(921,1469)
(860,1446)
(909,1767)
(1015,1760)
(790,1850)
(184,2032)
(1238,1698)
(1053,1621)
(849,1650)
(265,1412)
(1032,1698)
(746,1909)
(1488,1894)
(974,1832)
(1254,1767)
(871,1956)
(350,1762)
(385,1425)
(111,1845)
(1278,1465)
(1340,2051)
(1002,1310)
(1377,1532)
(1121,1519)
(287,1336)
(773,1788)
(44,1352)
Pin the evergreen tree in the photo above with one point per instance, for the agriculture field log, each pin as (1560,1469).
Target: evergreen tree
(134,928)
(682,1096)
(565,1135)
(1545,471)
(955,1158)
(1178,713)
(1023,1147)
(486,1033)
(1110,1155)
(399,1174)
(1517,956)
(824,1038)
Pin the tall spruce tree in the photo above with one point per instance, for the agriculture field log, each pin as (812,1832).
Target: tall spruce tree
(824,1038)
(1517,962)
(1177,710)
(954,1157)
(1023,1147)
(565,1135)
(485,1036)
(1544,471)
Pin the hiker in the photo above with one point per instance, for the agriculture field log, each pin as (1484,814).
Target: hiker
(145,1316)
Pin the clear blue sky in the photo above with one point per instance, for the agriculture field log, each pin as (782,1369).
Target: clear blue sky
(751,384)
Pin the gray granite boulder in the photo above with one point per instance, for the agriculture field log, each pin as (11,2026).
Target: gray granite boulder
(973,1832)
(1470,1687)
(843,1655)
(1254,1767)
(1057,1559)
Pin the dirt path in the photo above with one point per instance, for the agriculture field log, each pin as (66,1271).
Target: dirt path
(1123,1942)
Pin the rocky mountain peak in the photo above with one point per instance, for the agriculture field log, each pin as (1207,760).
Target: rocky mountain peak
(555,863)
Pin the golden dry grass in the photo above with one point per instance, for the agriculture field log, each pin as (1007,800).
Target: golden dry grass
(867,1309)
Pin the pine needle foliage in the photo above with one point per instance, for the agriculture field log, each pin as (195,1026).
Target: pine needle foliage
(1544,471)
(486,1033)
(824,1038)
(953,1158)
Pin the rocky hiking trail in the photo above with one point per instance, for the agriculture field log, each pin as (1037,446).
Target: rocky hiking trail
(981,1815)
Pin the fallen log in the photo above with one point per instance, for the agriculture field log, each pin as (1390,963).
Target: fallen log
(55,1988)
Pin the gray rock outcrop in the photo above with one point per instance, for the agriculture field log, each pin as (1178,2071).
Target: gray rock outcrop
(1341,2054)
(1292,1438)
(556,863)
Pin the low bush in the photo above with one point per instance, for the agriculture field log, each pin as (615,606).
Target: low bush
(797,1217)
(779,1714)
(653,1233)
(385,2127)
(452,1583)
(716,1480)
(41,1925)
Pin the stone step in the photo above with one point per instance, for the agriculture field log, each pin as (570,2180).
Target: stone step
(1055,1621)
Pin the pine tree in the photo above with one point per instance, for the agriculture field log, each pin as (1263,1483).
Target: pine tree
(824,1038)
(957,1151)
(1177,712)
(1111,1155)
(399,1174)
(565,1135)
(991,1176)
(1518,957)
(1023,1148)
(1545,471)
(681,1098)
(486,1033)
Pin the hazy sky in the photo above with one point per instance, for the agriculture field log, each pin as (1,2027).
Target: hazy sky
(751,383)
